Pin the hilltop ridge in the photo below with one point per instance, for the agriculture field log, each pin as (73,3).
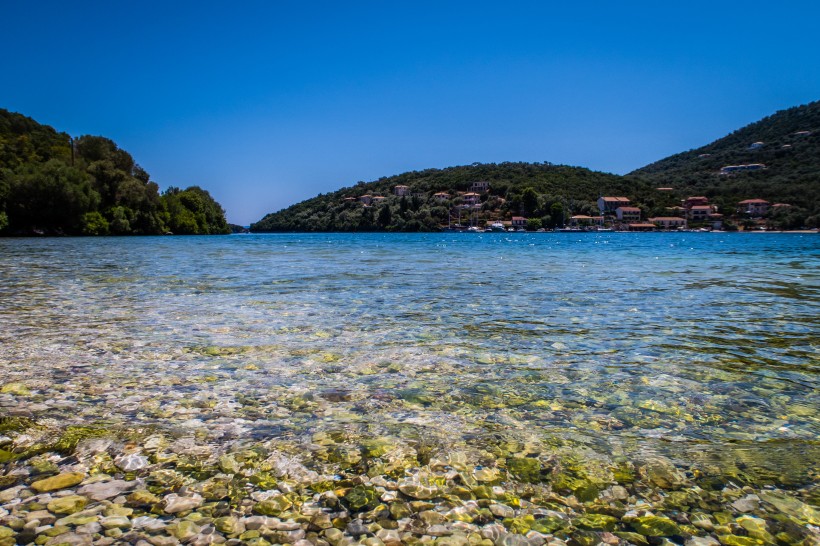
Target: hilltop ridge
(786,145)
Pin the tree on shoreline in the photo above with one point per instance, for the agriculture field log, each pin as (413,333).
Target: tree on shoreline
(53,184)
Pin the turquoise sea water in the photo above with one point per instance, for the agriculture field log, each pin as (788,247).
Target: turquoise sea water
(701,348)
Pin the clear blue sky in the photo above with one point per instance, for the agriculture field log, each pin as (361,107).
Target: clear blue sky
(267,103)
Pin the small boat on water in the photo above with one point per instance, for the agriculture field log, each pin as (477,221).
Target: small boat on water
(497,226)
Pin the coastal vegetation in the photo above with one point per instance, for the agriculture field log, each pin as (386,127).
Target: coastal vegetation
(786,145)
(534,189)
(51,183)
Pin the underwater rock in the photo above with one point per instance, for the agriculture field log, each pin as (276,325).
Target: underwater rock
(662,473)
(421,486)
(361,498)
(99,491)
(67,505)
(131,462)
(525,469)
(655,526)
(175,503)
(61,481)
(792,507)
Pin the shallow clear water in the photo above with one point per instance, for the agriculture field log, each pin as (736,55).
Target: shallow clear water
(702,348)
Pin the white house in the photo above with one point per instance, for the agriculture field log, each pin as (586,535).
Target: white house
(480,186)
(628,214)
(699,213)
(610,204)
(471,198)
(753,207)
(668,222)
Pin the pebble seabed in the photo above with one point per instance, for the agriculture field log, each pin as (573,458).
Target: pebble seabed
(130,413)
(340,484)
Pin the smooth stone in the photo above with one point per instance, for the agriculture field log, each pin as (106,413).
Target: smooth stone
(56,530)
(701,541)
(229,525)
(9,494)
(285,537)
(254,523)
(333,535)
(429,517)
(70,539)
(131,462)
(439,531)
(502,511)
(152,525)
(390,537)
(279,525)
(185,530)
(655,526)
(357,528)
(60,481)
(116,521)
(67,505)
(43,516)
(749,503)
(321,521)
(118,510)
(273,506)
(702,521)
(105,490)
(175,503)
(163,541)
(89,528)
(142,497)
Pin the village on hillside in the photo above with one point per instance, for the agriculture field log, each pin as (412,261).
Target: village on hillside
(478,210)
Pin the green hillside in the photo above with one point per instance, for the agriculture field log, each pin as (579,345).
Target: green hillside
(791,157)
(537,190)
(550,193)
(55,185)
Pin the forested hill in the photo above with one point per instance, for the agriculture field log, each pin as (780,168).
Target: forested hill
(787,143)
(53,184)
(785,146)
(533,189)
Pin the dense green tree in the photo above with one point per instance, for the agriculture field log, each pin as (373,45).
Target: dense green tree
(97,190)
(94,223)
(384,216)
(51,196)
(194,211)
(529,201)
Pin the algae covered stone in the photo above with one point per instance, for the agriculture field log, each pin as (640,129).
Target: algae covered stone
(525,469)
(655,526)
(273,506)
(596,522)
(60,481)
(67,505)
(361,498)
